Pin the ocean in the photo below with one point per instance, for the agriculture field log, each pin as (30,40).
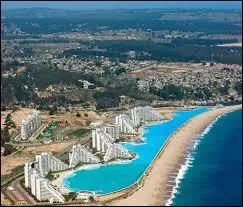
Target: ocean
(112,177)
(212,174)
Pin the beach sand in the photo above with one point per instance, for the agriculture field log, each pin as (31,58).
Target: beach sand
(155,189)
(57,183)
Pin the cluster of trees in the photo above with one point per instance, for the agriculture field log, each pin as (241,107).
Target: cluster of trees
(50,176)
(51,40)
(71,196)
(169,92)
(238,88)
(10,64)
(106,99)
(173,92)
(20,88)
(14,89)
(5,137)
(200,50)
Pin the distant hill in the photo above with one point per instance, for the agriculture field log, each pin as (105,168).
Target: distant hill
(46,20)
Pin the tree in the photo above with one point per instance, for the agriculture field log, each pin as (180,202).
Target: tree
(71,196)
(120,71)
(51,112)
(50,176)
(6,135)
(211,64)
(78,114)
(3,108)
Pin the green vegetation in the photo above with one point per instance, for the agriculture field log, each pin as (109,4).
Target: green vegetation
(80,132)
(8,122)
(71,196)
(199,31)
(5,137)
(169,92)
(238,88)
(50,176)
(106,99)
(174,51)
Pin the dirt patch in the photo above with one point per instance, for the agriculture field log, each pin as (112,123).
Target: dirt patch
(84,118)
(4,200)
(20,114)
(28,154)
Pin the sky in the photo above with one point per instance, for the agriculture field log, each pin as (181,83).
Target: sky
(93,5)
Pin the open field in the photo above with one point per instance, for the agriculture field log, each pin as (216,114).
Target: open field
(80,132)
(21,114)
(28,154)
(85,118)
(164,68)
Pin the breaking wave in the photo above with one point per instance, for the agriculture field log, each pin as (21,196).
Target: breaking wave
(192,147)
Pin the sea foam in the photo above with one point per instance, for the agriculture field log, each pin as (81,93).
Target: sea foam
(193,145)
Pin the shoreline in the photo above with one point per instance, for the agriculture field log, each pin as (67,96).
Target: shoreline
(154,187)
(57,182)
(141,193)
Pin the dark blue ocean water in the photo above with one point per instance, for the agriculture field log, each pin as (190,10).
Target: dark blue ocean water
(215,175)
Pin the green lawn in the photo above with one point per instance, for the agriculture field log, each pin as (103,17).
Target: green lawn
(80,132)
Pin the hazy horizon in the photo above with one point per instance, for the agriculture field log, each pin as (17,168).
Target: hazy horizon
(103,5)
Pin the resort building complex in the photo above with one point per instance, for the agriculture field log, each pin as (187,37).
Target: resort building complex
(30,125)
(104,144)
(101,140)
(141,114)
(116,151)
(80,154)
(43,190)
(35,173)
(129,123)
(46,162)
(125,124)
(113,131)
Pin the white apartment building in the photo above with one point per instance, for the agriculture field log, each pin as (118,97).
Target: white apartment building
(147,113)
(125,123)
(28,168)
(113,131)
(103,142)
(46,162)
(80,154)
(30,125)
(35,173)
(43,190)
(116,151)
